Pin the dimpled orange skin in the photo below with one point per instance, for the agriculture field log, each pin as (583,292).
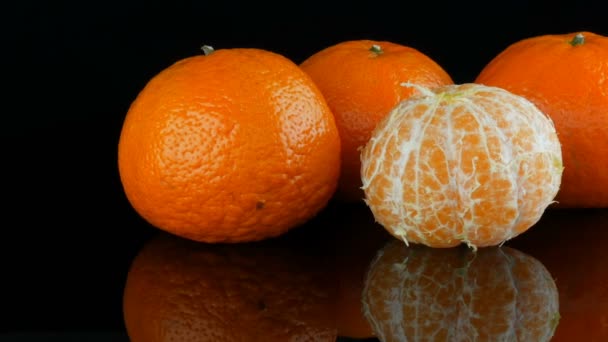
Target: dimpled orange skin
(461,164)
(425,294)
(361,87)
(238,145)
(567,82)
(181,290)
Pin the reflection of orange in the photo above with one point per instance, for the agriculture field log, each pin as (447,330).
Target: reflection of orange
(495,294)
(178,290)
(360,80)
(572,245)
(461,163)
(237,145)
(360,237)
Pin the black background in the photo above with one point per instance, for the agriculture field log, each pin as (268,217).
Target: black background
(71,69)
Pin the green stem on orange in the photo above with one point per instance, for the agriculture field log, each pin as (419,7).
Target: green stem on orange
(579,39)
(376,49)
(207,50)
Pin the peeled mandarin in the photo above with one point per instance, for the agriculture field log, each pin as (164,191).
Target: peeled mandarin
(462,163)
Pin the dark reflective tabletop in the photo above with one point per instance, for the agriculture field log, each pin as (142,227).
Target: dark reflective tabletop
(342,275)
(338,277)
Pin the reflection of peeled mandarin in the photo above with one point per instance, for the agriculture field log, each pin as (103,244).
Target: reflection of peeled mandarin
(426,294)
(572,245)
(179,290)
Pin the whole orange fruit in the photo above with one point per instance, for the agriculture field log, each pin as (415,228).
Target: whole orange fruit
(427,294)
(565,77)
(361,80)
(461,163)
(181,290)
(237,145)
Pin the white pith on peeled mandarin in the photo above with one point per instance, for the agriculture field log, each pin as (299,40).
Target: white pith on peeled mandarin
(464,163)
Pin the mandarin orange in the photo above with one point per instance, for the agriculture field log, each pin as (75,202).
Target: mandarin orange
(236,145)
(564,75)
(360,80)
(461,163)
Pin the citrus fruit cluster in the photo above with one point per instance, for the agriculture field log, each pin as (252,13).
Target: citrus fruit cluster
(238,145)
